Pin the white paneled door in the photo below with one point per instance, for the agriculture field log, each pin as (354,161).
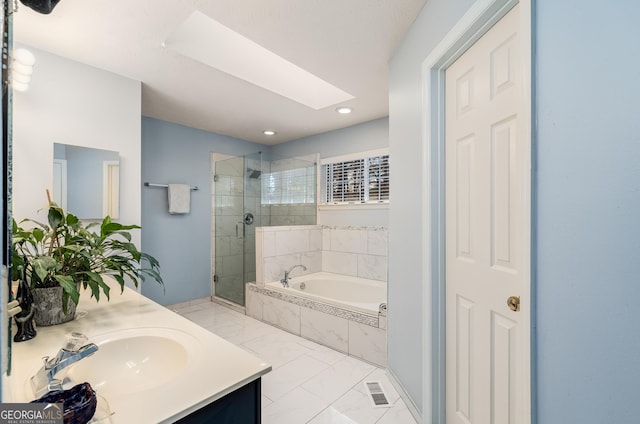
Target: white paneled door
(486,228)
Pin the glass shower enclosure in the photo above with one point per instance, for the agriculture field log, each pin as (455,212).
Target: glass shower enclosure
(251,191)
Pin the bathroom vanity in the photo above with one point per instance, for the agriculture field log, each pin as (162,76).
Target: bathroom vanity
(152,365)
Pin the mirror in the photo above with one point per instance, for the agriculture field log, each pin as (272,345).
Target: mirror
(86,181)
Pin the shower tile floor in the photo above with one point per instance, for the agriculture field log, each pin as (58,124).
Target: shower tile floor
(309,383)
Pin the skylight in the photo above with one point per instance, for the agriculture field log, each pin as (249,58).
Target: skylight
(204,39)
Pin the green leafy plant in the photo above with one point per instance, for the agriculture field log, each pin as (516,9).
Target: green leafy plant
(67,253)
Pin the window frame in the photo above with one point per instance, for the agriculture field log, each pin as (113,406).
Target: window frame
(321,191)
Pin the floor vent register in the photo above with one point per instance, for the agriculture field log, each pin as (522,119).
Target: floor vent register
(376,394)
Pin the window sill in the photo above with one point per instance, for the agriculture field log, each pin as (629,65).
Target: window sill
(348,206)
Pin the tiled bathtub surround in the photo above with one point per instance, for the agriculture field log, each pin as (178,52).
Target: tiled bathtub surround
(360,335)
(354,251)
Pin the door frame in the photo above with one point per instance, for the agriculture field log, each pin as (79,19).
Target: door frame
(473,25)
(111,188)
(60,178)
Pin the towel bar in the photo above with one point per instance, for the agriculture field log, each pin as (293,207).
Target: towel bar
(165,185)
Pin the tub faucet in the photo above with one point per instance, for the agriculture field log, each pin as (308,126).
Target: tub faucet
(285,280)
(74,349)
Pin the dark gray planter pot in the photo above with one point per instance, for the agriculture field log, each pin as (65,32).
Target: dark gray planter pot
(48,302)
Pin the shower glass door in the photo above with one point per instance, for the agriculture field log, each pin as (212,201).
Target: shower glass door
(229,230)
(252,191)
(237,204)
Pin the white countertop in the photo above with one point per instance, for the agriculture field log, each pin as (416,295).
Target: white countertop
(221,366)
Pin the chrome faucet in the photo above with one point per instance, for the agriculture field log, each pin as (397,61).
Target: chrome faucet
(74,349)
(285,280)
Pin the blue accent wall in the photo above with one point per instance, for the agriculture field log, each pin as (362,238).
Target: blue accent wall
(357,138)
(588,211)
(173,153)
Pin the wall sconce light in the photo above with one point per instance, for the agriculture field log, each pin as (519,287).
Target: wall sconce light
(21,69)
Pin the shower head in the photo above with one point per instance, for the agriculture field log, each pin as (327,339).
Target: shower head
(253,173)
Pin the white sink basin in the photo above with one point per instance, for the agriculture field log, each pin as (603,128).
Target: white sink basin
(136,360)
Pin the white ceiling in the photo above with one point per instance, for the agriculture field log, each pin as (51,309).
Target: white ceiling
(347,43)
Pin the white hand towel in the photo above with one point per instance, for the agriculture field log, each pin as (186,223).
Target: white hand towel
(179,198)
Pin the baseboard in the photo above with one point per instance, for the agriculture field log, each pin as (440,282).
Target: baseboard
(411,406)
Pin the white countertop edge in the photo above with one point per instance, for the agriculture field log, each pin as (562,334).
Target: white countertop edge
(201,387)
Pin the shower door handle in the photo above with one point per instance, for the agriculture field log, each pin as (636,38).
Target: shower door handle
(239,230)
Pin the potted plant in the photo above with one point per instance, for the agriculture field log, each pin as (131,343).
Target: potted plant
(60,257)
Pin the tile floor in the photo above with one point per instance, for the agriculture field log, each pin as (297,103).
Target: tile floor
(309,383)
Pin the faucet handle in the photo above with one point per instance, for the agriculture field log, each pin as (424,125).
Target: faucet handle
(74,341)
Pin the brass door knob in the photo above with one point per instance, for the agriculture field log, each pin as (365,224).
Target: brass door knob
(514,303)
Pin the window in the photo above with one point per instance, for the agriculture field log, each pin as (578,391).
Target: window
(363,180)
(291,186)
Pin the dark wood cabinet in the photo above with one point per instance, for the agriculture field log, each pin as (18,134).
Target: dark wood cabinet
(241,406)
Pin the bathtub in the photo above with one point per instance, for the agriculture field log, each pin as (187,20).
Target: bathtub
(344,313)
(342,291)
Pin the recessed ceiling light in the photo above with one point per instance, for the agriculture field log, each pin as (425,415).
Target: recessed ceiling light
(269,132)
(344,110)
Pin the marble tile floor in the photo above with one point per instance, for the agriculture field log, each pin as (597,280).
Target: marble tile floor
(309,383)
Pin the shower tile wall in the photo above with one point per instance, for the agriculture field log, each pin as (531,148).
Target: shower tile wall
(252,205)
(228,208)
(293,214)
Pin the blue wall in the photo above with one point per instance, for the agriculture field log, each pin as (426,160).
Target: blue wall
(369,135)
(174,153)
(588,210)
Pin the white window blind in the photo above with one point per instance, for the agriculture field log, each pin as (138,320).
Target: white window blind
(356,181)
(289,186)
